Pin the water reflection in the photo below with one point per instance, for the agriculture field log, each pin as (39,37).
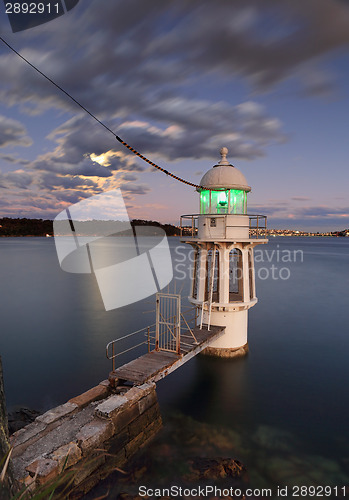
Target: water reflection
(283,410)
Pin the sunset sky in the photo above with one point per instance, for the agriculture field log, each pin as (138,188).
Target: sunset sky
(178,80)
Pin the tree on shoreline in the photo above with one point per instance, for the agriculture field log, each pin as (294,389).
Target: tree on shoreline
(40,227)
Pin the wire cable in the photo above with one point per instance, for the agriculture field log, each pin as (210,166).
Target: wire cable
(124,143)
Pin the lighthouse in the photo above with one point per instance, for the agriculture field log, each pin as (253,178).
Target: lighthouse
(223,237)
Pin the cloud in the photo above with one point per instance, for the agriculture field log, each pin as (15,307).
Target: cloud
(285,210)
(187,128)
(17,179)
(84,150)
(71,196)
(300,198)
(51,181)
(117,57)
(132,189)
(323,212)
(14,160)
(200,127)
(317,82)
(266,210)
(274,41)
(52,163)
(138,67)
(81,145)
(13,133)
(67,174)
(24,204)
(128,177)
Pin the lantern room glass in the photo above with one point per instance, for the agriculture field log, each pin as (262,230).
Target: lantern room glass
(228,201)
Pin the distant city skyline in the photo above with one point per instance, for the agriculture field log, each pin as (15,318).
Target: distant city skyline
(267,79)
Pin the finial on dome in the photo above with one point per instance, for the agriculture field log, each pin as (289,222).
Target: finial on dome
(224,152)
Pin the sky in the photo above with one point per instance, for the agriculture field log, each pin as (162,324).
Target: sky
(268,79)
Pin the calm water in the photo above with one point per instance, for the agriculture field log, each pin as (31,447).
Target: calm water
(286,403)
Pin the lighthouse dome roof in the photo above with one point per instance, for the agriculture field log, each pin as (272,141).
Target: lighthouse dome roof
(224,176)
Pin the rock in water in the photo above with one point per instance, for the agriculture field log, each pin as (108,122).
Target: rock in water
(218,468)
(20,418)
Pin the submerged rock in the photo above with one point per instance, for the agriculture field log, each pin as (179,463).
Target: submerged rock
(216,468)
(20,418)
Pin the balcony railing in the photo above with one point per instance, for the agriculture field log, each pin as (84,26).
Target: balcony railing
(257,224)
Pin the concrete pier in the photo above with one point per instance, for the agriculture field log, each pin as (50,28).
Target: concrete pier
(84,439)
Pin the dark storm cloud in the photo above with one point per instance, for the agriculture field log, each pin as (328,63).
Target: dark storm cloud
(264,40)
(137,66)
(51,163)
(246,128)
(199,128)
(136,60)
(78,137)
(71,196)
(50,181)
(13,133)
(135,52)
(76,141)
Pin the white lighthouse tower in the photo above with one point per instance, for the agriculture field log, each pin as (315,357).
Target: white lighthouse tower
(223,237)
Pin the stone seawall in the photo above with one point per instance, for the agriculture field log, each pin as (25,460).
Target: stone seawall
(86,438)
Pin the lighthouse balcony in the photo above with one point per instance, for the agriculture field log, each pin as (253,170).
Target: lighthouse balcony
(216,227)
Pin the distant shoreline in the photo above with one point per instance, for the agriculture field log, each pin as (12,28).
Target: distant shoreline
(25,236)
(44,228)
(178,236)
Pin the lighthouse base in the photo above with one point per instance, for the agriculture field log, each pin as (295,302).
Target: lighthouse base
(235,335)
(223,352)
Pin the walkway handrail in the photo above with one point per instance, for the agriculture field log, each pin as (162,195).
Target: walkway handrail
(111,356)
(150,334)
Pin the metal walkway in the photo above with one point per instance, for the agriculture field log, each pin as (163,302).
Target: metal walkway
(155,365)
